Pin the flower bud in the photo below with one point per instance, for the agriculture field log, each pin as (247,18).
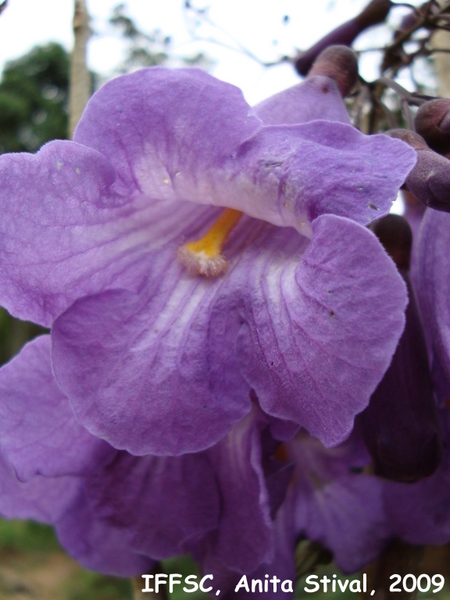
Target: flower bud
(410,137)
(429,180)
(374,13)
(410,20)
(400,426)
(433,124)
(338,63)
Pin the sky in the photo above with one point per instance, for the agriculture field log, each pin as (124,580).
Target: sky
(265,33)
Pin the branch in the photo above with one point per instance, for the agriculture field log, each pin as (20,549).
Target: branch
(202,15)
(409,97)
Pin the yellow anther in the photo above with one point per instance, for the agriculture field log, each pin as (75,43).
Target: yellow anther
(204,256)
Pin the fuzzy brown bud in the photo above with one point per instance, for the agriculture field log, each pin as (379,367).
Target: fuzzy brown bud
(433,124)
(429,180)
(338,63)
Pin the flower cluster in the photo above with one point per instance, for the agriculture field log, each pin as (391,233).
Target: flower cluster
(219,314)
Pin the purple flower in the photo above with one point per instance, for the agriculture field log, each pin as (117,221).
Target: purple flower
(305,309)
(335,503)
(354,514)
(330,500)
(118,513)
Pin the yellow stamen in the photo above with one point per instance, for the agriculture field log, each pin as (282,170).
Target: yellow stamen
(204,256)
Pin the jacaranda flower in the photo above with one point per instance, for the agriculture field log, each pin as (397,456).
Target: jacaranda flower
(329,501)
(187,255)
(354,514)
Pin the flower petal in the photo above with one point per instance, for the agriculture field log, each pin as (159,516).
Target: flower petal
(155,122)
(252,486)
(137,367)
(278,569)
(347,517)
(147,124)
(156,503)
(97,544)
(67,232)
(281,569)
(244,538)
(315,329)
(317,97)
(418,513)
(38,430)
(290,175)
(400,426)
(335,504)
(433,291)
(40,499)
